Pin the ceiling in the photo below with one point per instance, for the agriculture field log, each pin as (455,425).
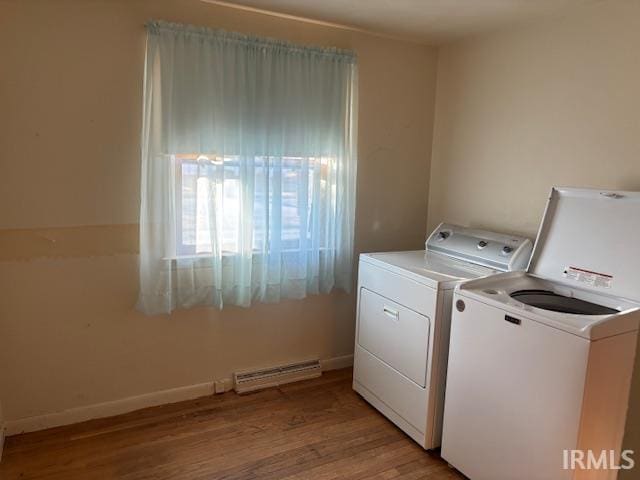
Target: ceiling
(425,21)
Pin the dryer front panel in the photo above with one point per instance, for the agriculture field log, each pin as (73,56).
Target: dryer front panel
(394,334)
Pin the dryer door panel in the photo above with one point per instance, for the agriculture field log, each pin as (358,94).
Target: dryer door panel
(395,334)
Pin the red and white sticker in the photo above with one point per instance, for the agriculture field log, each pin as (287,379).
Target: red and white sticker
(588,277)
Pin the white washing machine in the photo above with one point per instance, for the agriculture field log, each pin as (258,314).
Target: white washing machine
(403,317)
(540,362)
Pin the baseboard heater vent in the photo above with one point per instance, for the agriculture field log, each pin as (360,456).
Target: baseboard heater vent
(251,380)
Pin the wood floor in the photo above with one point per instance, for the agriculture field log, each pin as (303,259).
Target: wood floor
(318,429)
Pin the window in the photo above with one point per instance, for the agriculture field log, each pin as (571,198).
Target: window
(248,169)
(284,188)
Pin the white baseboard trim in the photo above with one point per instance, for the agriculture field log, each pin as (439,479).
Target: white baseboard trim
(1,439)
(108,409)
(2,429)
(336,363)
(126,405)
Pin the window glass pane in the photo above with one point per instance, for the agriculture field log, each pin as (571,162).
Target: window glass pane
(291,175)
(202,221)
(261,203)
(188,190)
(284,193)
(230,206)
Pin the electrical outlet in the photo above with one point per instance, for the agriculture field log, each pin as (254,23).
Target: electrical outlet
(222,385)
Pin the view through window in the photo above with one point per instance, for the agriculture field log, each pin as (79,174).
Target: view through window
(209,188)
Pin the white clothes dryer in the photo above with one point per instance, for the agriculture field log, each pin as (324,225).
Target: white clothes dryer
(403,317)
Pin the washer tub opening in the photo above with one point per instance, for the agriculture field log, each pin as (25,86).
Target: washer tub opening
(548,300)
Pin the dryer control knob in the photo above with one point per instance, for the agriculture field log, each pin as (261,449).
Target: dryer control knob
(482,244)
(460,306)
(507,249)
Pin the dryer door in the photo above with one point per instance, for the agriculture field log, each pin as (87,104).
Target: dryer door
(394,334)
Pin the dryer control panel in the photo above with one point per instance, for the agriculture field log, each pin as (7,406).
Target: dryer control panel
(482,247)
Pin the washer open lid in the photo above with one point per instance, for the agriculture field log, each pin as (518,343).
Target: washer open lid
(590,239)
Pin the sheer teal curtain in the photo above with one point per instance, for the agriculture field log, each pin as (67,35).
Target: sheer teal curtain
(248,169)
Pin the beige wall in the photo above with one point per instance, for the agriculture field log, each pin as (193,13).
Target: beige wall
(552,103)
(70,91)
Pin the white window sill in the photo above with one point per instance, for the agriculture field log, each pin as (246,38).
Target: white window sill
(197,256)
